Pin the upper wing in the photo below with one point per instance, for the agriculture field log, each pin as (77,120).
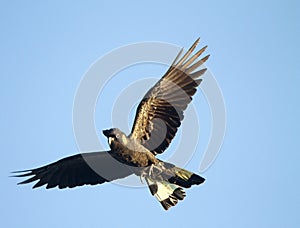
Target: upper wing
(88,168)
(160,112)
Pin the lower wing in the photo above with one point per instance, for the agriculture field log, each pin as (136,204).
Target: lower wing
(77,170)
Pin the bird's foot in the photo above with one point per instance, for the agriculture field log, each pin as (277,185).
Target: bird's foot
(144,174)
(153,171)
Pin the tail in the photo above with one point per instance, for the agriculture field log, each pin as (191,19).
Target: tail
(167,194)
(182,177)
(168,187)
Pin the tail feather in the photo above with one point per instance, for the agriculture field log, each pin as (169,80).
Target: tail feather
(182,177)
(168,186)
(166,193)
(194,179)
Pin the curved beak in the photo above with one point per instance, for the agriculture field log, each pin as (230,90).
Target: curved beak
(106,133)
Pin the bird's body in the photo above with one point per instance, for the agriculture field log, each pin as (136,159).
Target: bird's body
(128,150)
(157,120)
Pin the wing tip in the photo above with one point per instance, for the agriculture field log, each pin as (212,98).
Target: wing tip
(21,171)
(25,173)
(205,58)
(197,41)
(196,179)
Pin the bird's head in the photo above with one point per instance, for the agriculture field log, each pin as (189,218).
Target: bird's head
(115,135)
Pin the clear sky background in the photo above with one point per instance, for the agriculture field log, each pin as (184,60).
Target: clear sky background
(46,47)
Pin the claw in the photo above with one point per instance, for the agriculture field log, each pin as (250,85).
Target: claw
(141,179)
(151,170)
(143,175)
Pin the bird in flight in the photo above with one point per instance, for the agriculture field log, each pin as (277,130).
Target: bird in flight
(157,120)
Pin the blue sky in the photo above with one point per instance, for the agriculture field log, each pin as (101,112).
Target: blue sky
(47,47)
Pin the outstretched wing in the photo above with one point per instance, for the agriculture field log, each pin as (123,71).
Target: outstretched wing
(160,112)
(88,168)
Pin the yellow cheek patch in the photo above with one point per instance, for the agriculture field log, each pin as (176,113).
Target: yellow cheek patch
(124,139)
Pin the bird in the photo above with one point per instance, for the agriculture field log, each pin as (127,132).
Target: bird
(158,117)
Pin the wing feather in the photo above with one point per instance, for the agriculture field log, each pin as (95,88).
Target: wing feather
(77,170)
(160,112)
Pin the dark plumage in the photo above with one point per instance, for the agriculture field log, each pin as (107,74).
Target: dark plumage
(167,100)
(77,170)
(157,120)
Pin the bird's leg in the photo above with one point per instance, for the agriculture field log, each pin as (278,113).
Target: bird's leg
(141,178)
(144,173)
(152,171)
(148,172)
